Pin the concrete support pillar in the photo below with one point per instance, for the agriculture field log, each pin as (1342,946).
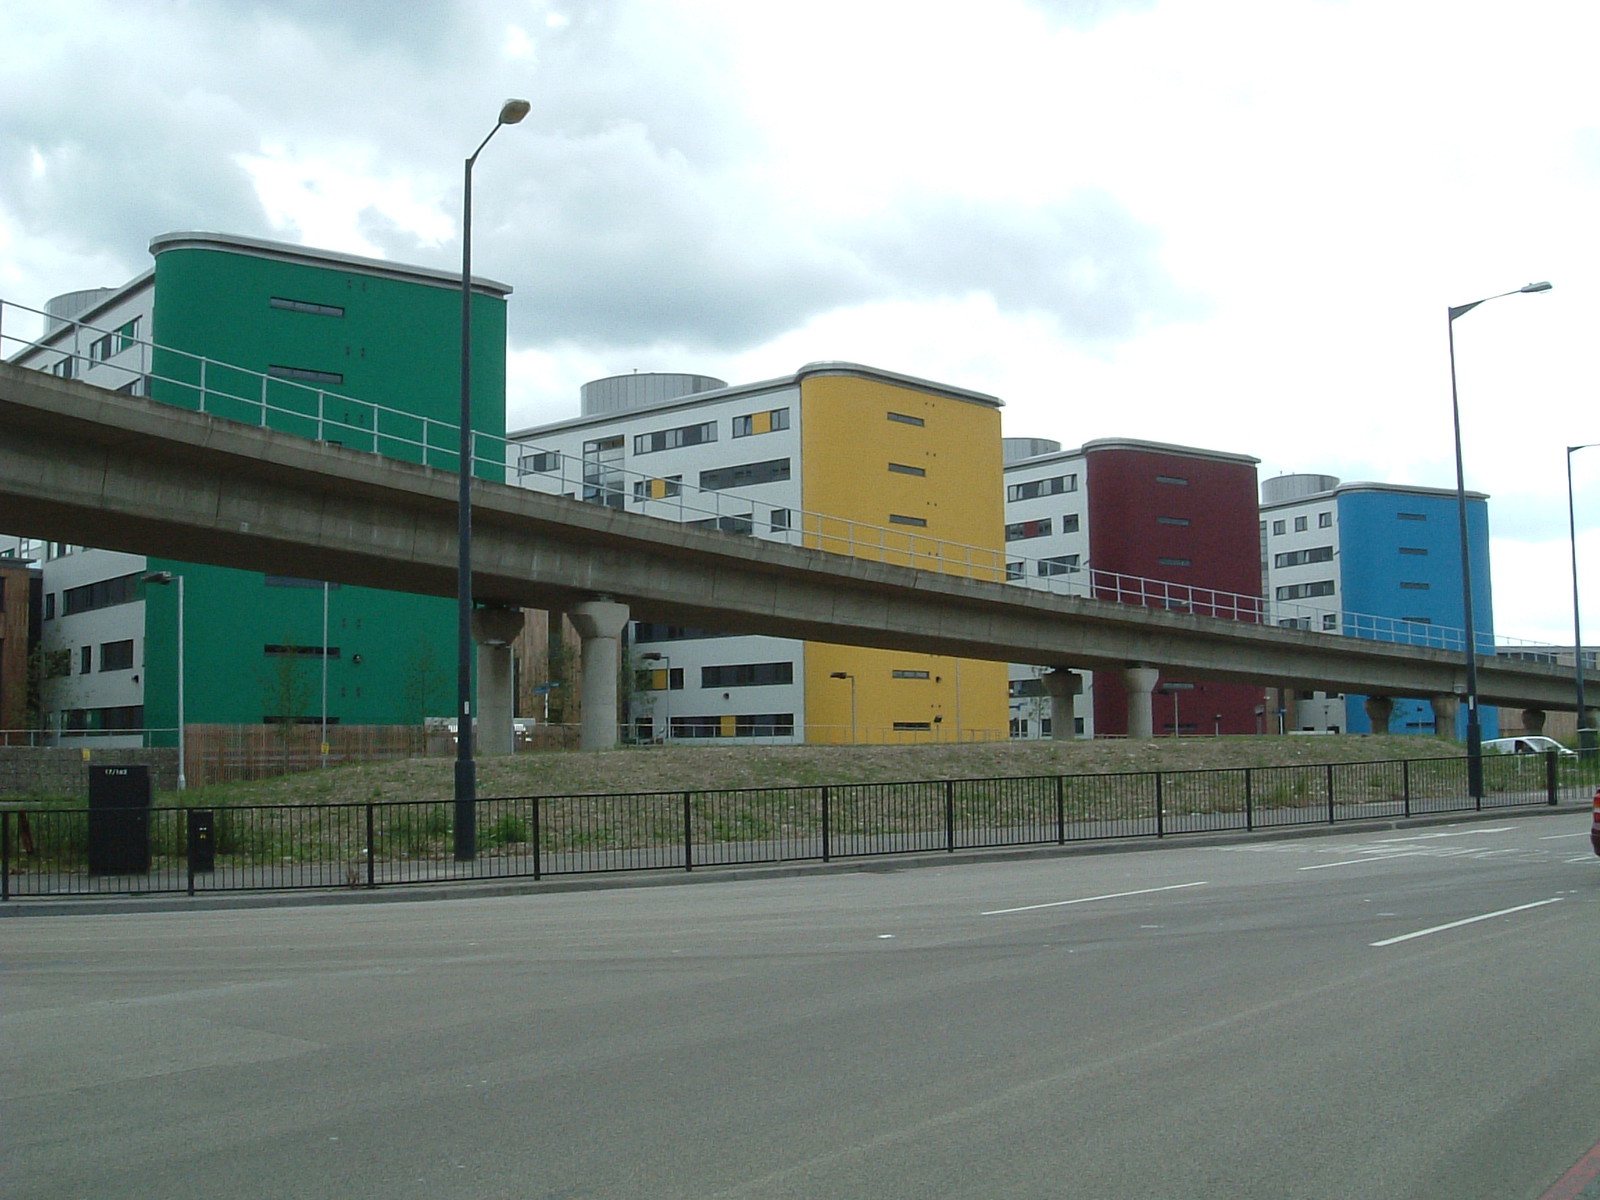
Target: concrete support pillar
(1064,687)
(599,623)
(494,629)
(1444,715)
(1533,721)
(1379,710)
(1141,683)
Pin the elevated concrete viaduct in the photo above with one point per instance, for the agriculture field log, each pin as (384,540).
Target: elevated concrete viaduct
(85,465)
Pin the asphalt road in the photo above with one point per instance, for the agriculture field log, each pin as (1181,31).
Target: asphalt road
(1411,1014)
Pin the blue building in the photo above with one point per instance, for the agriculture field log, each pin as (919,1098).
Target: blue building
(1374,560)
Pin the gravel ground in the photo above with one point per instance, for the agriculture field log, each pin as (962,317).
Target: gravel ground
(674,768)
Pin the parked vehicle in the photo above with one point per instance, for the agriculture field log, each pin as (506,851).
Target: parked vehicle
(1528,745)
(1594,830)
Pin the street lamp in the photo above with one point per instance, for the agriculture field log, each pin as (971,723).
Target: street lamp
(466,792)
(852,679)
(166,577)
(1474,729)
(1586,736)
(666,703)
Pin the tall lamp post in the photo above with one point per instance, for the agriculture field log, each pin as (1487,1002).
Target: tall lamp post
(1474,728)
(852,679)
(466,792)
(1586,735)
(166,577)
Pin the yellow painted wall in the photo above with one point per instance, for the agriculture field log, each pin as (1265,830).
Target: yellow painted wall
(848,442)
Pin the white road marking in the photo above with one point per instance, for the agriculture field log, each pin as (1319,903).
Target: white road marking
(1427,837)
(1346,862)
(998,912)
(1406,937)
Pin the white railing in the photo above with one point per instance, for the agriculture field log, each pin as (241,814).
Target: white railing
(286,405)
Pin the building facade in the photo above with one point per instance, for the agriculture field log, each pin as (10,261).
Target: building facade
(838,456)
(1373,560)
(357,351)
(1143,523)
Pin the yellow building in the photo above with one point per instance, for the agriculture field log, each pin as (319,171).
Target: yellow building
(846,458)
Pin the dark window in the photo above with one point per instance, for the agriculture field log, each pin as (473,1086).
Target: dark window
(1325,520)
(104,594)
(1411,516)
(49,606)
(1069,523)
(116,656)
(696,727)
(305,374)
(901,519)
(764,725)
(85,659)
(306,306)
(291,581)
(1021,531)
(780,520)
(1415,587)
(1034,488)
(912,726)
(905,419)
(909,674)
(732,675)
(1296,558)
(763,422)
(653,631)
(1175,480)
(1413,549)
(1061,564)
(1301,591)
(902,469)
(774,470)
(672,439)
(275,650)
(658,489)
(1278,527)
(543,462)
(1172,520)
(741,524)
(1026,687)
(1176,562)
(1015,570)
(65,368)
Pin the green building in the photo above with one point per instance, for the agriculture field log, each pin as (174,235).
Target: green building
(357,351)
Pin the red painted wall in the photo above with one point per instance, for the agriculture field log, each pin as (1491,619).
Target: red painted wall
(1221,542)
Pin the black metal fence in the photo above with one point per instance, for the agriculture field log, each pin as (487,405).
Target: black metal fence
(53,852)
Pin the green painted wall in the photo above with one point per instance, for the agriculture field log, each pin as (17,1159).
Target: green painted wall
(395,345)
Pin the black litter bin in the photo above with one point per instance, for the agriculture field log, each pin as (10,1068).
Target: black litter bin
(119,820)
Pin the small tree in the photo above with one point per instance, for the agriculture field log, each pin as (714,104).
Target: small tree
(287,695)
(422,685)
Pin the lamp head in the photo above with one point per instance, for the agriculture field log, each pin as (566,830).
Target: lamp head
(1542,286)
(513,111)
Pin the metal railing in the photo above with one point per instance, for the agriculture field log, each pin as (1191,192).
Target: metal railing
(50,852)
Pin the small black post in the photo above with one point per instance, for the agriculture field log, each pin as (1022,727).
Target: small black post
(1330,793)
(1161,823)
(688,834)
(950,816)
(372,848)
(191,844)
(536,838)
(826,849)
(5,856)
(1405,782)
(1061,812)
(1550,777)
(1249,800)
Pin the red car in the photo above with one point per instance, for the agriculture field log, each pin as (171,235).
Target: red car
(1594,830)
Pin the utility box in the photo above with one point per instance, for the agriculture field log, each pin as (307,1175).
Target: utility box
(119,820)
(202,840)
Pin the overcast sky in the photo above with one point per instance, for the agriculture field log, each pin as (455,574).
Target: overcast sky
(1234,224)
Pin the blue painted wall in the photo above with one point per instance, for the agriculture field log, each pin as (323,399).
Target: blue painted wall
(1382,574)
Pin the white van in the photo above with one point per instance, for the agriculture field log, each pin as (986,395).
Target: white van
(1527,745)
